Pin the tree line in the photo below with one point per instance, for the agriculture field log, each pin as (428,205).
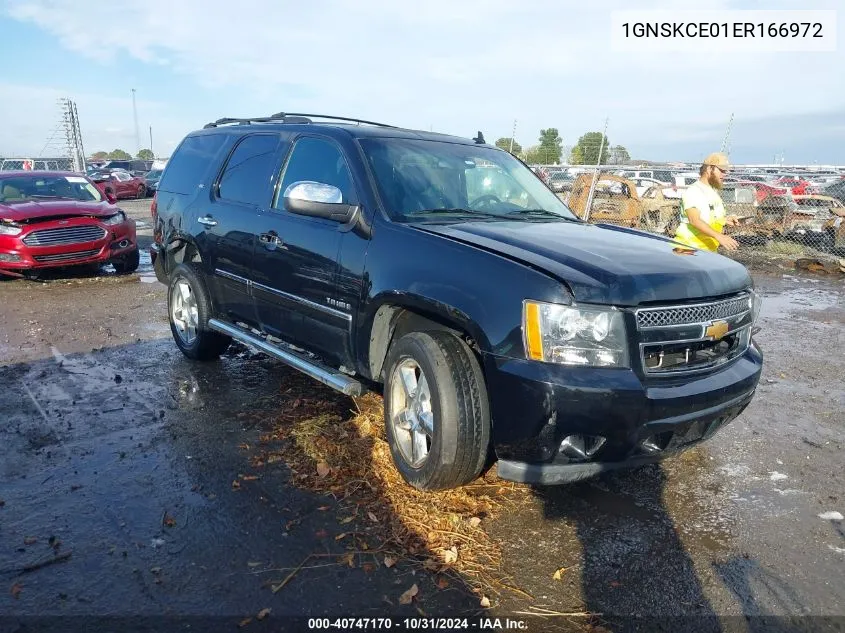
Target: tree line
(119,154)
(550,150)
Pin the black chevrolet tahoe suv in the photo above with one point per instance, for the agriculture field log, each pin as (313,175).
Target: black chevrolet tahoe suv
(443,273)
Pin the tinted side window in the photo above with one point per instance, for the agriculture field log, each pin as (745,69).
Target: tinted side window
(189,163)
(249,170)
(316,160)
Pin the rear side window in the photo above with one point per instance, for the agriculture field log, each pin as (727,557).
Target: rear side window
(189,163)
(249,170)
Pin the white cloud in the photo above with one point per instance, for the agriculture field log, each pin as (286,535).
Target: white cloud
(458,66)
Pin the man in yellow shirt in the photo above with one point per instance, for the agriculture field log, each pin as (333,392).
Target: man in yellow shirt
(702,210)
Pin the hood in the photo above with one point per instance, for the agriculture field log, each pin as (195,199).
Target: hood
(605,264)
(25,210)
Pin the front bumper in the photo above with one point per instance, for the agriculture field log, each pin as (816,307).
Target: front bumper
(536,406)
(118,241)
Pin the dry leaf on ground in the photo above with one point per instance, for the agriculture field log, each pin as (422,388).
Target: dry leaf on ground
(408,596)
(323,469)
(389,561)
(450,555)
(485,602)
(559,573)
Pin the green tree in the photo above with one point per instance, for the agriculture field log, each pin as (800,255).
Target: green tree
(576,157)
(551,145)
(145,154)
(505,144)
(99,155)
(589,145)
(619,155)
(119,154)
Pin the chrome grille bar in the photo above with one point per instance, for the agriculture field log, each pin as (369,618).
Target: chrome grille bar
(648,318)
(65,257)
(62,236)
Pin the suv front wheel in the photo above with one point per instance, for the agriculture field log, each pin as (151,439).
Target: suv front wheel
(437,416)
(188,310)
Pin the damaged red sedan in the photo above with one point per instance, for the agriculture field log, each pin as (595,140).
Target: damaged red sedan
(60,219)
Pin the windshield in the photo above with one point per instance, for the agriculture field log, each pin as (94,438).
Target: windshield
(416,178)
(153,173)
(59,187)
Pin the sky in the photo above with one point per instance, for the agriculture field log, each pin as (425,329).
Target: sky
(455,67)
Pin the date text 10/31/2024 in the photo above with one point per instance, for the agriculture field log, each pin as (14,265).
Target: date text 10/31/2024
(409,624)
(723,29)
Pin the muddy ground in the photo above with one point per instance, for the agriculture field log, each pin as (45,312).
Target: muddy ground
(130,461)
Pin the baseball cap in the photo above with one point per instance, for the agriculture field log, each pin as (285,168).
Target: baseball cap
(717,159)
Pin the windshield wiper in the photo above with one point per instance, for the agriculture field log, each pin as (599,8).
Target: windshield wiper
(454,211)
(544,213)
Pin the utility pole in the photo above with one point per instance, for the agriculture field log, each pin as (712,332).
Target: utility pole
(513,135)
(595,174)
(151,141)
(137,134)
(727,134)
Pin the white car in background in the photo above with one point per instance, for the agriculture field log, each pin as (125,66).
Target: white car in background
(669,191)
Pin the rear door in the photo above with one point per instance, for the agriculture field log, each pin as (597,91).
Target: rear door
(295,283)
(242,188)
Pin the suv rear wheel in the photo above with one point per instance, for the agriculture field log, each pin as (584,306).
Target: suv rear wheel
(188,310)
(437,417)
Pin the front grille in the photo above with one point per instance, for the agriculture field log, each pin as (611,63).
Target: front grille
(686,315)
(694,355)
(67,235)
(66,257)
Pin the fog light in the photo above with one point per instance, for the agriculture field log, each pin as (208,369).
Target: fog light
(9,257)
(656,443)
(581,446)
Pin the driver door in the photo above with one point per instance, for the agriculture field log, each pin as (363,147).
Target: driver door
(296,257)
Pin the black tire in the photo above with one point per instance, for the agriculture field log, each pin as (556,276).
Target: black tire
(458,446)
(206,344)
(127,263)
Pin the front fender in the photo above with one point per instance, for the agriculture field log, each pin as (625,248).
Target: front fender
(475,291)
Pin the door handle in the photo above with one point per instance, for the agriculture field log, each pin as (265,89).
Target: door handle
(269,238)
(207,221)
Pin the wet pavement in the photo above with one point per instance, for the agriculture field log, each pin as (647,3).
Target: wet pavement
(130,460)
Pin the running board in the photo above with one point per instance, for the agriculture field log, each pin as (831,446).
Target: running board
(325,375)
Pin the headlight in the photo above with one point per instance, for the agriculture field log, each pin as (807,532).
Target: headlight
(587,337)
(10,229)
(117,218)
(756,301)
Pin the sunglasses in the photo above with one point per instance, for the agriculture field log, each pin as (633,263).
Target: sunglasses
(724,171)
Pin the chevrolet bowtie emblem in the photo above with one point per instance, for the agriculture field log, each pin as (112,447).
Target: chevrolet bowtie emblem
(716,330)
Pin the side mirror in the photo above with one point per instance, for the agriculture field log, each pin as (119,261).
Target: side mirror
(319,200)
(112,199)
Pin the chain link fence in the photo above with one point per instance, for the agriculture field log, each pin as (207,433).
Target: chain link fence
(37,164)
(775,221)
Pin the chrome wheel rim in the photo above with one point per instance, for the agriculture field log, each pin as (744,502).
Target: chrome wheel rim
(183,311)
(410,415)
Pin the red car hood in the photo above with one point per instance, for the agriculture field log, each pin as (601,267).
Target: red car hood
(43,209)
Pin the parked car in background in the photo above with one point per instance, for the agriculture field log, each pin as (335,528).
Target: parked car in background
(661,175)
(151,179)
(136,167)
(669,190)
(834,190)
(796,186)
(561,181)
(58,219)
(120,182)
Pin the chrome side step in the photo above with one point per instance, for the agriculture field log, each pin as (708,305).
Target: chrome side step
(325,375)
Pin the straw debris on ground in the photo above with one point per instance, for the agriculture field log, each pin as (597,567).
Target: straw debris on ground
(347,457)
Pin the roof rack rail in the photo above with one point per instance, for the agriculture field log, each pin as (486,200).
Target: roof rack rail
(289,117)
